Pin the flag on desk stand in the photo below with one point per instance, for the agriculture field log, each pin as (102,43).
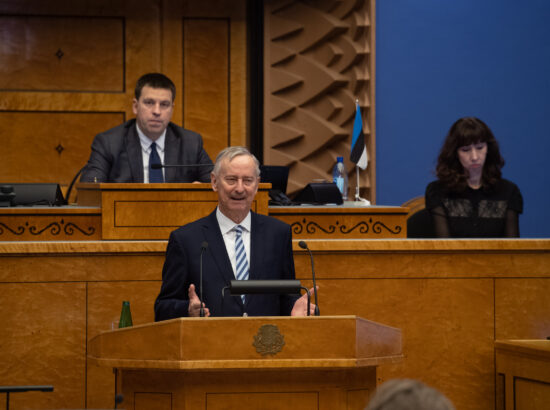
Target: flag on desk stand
(358,148)
(358,151)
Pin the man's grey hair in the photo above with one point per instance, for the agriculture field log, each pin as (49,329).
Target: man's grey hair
(407,394)
(230,153)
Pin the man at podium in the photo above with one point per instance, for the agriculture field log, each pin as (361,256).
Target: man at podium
(128,152)
(232,243)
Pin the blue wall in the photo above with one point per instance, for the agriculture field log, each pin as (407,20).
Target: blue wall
(439,60)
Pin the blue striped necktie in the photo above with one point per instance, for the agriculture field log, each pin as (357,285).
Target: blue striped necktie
(155,175)
(241,267)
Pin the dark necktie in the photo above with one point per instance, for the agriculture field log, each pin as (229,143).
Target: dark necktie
(155,175)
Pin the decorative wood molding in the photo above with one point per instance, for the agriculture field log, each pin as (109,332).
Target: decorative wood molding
(360,229)
(319,58)
(47,228)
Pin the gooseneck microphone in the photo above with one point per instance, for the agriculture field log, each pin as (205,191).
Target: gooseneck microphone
(204,246)
(303,245)
(119,398)
(159,166)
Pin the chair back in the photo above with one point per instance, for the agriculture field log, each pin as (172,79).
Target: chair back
(420,225)
(419,220)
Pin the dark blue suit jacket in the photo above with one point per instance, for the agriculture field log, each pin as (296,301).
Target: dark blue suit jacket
(270,258)
(116,156)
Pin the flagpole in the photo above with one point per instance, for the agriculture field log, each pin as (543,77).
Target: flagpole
(357,186)
(357,196)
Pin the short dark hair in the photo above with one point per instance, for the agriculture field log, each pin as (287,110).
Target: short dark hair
(154,80)
(467,131)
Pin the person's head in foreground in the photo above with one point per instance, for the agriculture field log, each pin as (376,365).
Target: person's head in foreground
(407,394)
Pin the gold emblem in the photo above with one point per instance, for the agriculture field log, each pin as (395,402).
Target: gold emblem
(268,340)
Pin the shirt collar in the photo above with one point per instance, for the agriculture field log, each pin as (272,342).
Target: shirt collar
(146,142)
(227,225)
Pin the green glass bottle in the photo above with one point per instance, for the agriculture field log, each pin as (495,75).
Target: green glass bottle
(125,315)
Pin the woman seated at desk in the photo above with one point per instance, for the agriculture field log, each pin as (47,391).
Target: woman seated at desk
(470,199)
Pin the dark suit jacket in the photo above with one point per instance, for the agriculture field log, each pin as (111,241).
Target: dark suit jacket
(270,258)
(116,156)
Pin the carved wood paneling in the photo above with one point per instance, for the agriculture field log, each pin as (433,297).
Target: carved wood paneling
(48,146)
(70,53)
(530,301)
(319,58)
(343,223)
(206,80)
(43,329)
(450,298)
(68,71)
(50,227)
(206,47)
(104,306)
(141,215)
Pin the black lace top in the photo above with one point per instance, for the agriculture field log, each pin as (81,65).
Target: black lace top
(475,213)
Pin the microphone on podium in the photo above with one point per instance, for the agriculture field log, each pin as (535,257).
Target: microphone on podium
(204,246)
(303,245)
(159,166)
(266,286)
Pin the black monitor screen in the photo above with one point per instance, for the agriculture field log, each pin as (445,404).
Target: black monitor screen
(276,175)
(28,194)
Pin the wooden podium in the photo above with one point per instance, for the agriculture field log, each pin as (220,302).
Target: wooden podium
(325,362)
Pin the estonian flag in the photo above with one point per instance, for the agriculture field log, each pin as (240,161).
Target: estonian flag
(358,149)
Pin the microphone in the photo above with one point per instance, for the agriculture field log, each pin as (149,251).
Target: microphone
(119,398)
(268,286)
(303,245)
(66,201)
(204,246)
(159,166)
(243,287)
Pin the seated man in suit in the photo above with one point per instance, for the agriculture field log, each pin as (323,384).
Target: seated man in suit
(125,153)
(240,242)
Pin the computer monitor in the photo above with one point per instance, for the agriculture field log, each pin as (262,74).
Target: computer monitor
(277,175)
(28,194)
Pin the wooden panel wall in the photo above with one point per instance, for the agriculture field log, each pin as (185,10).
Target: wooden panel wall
(68,70)
(319,58)
(450,298)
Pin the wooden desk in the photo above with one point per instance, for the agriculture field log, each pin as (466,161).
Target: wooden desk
(451,298)
(523,374)
(152,211)
(344,222)
(43,223)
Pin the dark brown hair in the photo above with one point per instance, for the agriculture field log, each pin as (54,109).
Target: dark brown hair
(467,131)
(154,80)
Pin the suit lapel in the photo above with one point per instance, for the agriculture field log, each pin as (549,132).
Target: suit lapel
(257,245)
(135,157)
(171,150)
